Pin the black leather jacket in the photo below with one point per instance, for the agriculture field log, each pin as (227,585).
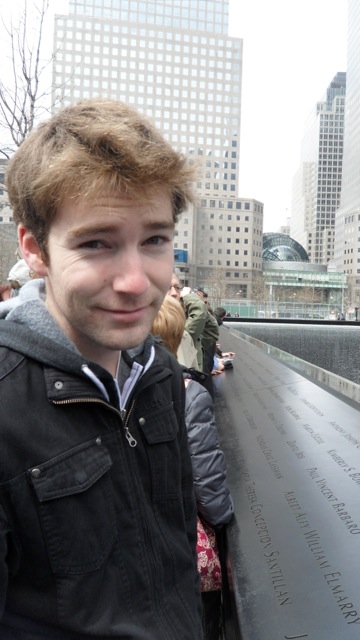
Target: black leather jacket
(97,537)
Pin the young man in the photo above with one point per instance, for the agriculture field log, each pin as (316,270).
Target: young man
(97,514)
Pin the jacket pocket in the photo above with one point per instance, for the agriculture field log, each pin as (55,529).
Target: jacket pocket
(160,428)
(76,507)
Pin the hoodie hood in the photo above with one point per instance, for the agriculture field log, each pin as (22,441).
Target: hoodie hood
(27,326)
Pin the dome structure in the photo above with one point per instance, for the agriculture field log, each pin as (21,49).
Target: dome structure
(282,248)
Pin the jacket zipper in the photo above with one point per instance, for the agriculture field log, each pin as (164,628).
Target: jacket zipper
(124,415)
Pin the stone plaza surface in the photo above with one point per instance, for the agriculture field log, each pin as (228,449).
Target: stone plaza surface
(292,450)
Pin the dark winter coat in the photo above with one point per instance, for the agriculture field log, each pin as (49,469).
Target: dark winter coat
(97,512)
(213,498)
(201,325)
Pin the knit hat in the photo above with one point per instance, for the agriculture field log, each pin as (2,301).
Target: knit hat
(185,291)
(20,273)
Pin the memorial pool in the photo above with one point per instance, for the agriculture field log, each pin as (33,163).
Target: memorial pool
(335,348)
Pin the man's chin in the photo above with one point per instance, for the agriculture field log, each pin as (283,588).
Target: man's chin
(133,339)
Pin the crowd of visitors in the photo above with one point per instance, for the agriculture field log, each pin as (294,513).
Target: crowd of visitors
(213,499)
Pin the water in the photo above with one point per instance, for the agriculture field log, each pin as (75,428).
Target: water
(334,348)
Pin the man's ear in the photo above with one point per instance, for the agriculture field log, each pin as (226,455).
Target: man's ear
(31,251)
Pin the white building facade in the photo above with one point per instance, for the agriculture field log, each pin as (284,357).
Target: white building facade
(173,60)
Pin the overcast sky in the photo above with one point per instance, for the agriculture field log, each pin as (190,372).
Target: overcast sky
(292,50)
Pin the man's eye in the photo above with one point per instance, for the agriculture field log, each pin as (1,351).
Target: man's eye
(157,240)
(92,244)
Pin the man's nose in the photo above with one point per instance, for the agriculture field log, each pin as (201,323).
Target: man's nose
(131,277)
(173,291)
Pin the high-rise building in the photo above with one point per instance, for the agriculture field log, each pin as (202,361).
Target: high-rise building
(347,226)
(174,61)
(317,183)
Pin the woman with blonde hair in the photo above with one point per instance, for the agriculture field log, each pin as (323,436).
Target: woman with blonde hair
(214,502)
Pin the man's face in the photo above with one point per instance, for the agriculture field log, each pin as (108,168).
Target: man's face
(175,288)
(110,263)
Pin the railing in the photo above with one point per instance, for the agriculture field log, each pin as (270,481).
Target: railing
(288,310)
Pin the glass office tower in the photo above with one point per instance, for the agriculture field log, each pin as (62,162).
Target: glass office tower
(347,225)
(173,60)
(317,183)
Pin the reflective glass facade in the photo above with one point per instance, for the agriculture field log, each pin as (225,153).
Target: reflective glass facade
(347,227)
(280,247)
(202,15)
(317,185)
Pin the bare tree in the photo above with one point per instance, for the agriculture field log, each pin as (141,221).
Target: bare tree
(22,96)
(215,283)
(259,289)
(310,295)
(260,294)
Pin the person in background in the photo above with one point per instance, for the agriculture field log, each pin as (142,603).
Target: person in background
(186,353)
(220,313)
(19,274)
(97,510)
(202,326)
(213,498)
(209,340)
(175,288)
(5,292)
(205,297)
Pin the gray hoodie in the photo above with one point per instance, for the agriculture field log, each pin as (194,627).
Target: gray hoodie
(30,329)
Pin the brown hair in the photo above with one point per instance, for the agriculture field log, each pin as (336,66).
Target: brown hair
(169,323)
(86,147)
